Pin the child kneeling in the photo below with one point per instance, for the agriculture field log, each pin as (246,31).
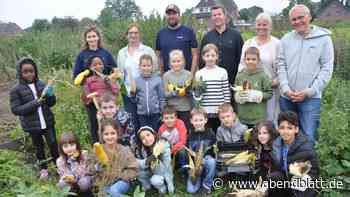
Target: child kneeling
(201,139)
(292,146)
(154,159)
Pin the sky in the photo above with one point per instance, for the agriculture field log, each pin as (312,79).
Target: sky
(23,12)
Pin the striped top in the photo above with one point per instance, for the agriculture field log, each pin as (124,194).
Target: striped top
(217,89)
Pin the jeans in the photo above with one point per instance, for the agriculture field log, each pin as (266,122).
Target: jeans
(185,116)
(273,107)
(147,179)
(118,188)
(151,120)
(130,107)
(38,142)
(181,158)
(206,178)
(308,113)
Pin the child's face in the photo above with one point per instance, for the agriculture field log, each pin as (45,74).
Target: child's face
(97,64)
(263,135)
(169,120)
(287,131)
(108,109)
(147,138)
(69,148)
(146,67)
(251,60)
(198,121)
(227,118)
(28,72)
(109,135)
(92,39)
(210,58)
(176,63)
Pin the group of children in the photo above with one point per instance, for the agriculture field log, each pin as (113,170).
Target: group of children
(147,153)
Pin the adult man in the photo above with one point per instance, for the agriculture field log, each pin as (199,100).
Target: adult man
(228,41)
(305,65)
(176,36)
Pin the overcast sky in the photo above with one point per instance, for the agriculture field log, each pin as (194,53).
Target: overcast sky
(23,12)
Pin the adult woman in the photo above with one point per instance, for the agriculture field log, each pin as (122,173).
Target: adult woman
(92,47)
(128,61)
(268,47)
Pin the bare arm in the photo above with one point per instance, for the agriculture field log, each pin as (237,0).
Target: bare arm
(194,66)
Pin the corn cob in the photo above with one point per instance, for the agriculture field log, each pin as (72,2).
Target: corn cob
(69,178)
(100,153)
(81,76)
(44,92)
(242,158)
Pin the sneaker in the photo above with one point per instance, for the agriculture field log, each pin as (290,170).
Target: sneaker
(44,174)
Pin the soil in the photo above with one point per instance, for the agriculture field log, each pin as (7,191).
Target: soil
(7,119)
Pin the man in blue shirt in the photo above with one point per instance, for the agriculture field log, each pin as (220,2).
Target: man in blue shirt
(176,36)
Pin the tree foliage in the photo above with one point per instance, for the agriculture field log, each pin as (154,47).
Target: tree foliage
(119,9)
(40,25)
(249,14)
(292,3)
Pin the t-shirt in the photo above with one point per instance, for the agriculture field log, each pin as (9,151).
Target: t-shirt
(171,136)
(182,38)
(40,109)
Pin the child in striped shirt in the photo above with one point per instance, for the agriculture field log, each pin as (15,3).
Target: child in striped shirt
(217,89)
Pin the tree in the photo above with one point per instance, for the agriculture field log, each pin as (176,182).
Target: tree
(40,25)
(119,9)
(67,22)
(308,3)
(249,14)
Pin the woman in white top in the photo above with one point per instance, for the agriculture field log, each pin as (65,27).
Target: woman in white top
(128,62)
(268,47)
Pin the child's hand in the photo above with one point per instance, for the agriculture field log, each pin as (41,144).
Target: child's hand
(150,160)
(49,91)
(241,97)
(99,115)
(174,93)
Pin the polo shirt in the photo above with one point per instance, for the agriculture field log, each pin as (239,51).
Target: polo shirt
(182,38)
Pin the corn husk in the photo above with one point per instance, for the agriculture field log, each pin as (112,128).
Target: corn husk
(258,192)
(195,163)
(158,149)
(69,178)
(242,158)
(300,169)
(80,77)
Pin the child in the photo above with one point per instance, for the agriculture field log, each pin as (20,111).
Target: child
(96,84)
(109,109)
(292,146)
(230,130)
(217,89)
(177,82)
(256,90)
(121,167)
(154,170)
(149,94)
(72,165)
(201,136)
(174,131)
(32,105)
(262,138)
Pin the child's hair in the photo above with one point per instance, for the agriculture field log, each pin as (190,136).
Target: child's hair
(209,47)
(177,52)
(288,116)
(146,57)
(252,51)
(89,62)
(131,25)
(88,30)
(199,111)
(168,109)
(68,137)
(108,122)
(107,97)
(269,127)
(225,107)
(27,60)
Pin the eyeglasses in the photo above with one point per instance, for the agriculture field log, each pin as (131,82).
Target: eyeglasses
(297,18)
